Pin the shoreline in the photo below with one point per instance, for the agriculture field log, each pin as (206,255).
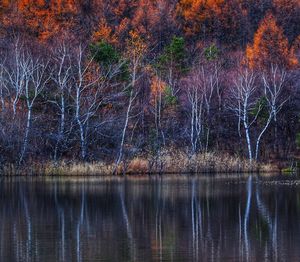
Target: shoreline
(168,163)
(148,174)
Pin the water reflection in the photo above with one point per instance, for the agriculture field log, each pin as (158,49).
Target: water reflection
(150,219)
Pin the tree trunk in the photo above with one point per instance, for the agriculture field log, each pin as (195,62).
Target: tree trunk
(124,131)
(248,139)
(82,141)
(61,129)
(81,127)
(261,134)
(24,148)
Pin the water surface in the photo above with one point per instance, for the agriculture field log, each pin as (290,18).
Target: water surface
(181,218)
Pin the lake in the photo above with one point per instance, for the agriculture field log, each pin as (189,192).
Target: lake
(160,218)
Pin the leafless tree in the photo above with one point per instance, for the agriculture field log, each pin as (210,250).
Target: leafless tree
(201,86)
(211,86)
(85,96)
(195,95)
(274,83)
(62,75)
(89,82)
(36,77)
(157,105)
(3,88)
(243,102)
(135,52)
(248,101)
(17,73)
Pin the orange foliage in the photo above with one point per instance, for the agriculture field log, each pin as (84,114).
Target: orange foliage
(116,18)
(145,17)
(157,88)
(4,4)
(113,23)
(154,20)
(136,47)
(270,46)
(121,30)
(296,49)
(41,17)
(195,12)
(105,33)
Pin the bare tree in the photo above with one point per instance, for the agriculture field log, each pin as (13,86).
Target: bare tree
(35,80)
(62,75)
(157,106)
(210,85)
(195,95)
(3,87)
(273,83)
(3,98)
(88,91)
(201,86)
(136,49)
(248,102)
(85,95)
(243,102)
(17,73)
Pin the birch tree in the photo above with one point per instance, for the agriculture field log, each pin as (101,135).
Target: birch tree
(89,81)
(17,73)
(157,105)
(135,52)
(195,96)
(35,80)
(62,75)
(210,85)
(249,102)
(201,87)
(3,88)
(243,102)
(85,96)
(3,97)
(273,83)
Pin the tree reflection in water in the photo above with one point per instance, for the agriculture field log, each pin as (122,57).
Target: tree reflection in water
(150,219)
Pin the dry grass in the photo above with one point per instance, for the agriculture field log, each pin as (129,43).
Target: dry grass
(170,161)
(60,169)
(138,165)
(173,161)
(79,169)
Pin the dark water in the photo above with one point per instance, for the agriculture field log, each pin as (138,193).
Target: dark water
(150,219)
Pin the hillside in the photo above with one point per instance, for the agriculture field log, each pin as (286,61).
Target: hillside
(116,80)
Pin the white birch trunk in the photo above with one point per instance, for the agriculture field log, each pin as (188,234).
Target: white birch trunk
(61,129)
(120,155)
(26,136)
(261,135)
(80,125)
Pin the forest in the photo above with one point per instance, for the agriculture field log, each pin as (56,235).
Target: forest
(150,84)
